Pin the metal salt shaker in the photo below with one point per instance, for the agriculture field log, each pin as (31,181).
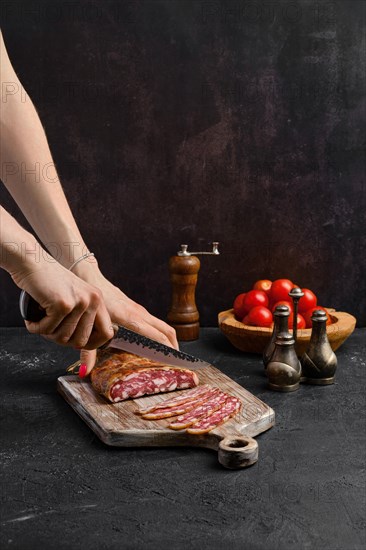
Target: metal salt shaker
(319,362)
(296,293)
(281,315)
(284,368)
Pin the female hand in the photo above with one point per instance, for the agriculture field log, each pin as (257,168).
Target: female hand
(123,311)
(75,311)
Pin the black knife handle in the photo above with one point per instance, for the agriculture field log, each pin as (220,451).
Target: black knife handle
(29,308)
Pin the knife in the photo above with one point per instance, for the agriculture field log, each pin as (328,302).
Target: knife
(124,339)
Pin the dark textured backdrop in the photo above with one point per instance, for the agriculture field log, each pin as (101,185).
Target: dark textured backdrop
(186,121)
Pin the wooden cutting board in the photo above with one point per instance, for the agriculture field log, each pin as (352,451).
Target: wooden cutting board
(117,424)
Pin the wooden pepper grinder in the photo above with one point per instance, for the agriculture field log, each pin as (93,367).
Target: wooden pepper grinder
(183,314)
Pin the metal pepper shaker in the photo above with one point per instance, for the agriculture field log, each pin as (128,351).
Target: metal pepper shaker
(284,368)
(281,315)
(296,293)
(319,362)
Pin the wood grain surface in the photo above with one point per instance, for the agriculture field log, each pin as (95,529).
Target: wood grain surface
(118,425)
(183,314)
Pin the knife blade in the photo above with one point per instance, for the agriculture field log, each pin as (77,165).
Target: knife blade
(128,340)
(124,339)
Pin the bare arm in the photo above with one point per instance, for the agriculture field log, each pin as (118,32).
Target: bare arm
(73,307)
(28,170)
(40,196)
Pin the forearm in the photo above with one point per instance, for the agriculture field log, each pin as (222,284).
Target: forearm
(19,250)
(75,314)
(29,173)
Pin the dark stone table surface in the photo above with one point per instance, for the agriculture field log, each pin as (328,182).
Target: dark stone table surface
(61,488)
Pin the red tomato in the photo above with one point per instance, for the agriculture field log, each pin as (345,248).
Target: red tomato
(238,306)
(283,303)
(264,285)
(308,301)
(260,316)
(307,316)
(280,290)
(255,298)
(300,321)
(246,320)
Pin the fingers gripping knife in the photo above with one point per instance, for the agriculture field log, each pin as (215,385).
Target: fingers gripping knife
(124,339)
(183,314)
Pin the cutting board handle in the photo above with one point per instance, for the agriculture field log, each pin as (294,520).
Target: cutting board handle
(238,452)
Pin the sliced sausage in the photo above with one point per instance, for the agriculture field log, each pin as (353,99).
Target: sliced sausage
(231,407)
(180,399)
(199,411)
(180,408)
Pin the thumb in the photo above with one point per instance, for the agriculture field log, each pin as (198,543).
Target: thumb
(87,360)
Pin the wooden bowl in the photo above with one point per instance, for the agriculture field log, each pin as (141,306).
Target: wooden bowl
(255,339)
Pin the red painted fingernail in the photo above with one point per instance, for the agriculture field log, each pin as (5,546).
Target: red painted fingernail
(77,347)
(82,370)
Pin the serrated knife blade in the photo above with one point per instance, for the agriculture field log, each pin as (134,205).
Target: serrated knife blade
(128,340)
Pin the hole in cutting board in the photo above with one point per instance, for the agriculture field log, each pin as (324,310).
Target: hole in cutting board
(237,443)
